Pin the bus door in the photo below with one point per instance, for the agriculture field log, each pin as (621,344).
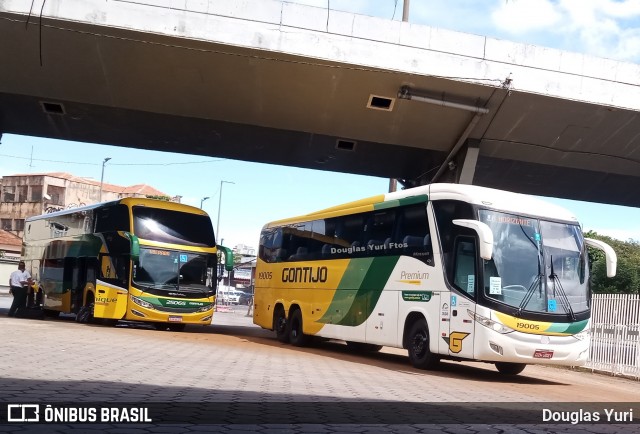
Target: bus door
(111,286)
(462,298)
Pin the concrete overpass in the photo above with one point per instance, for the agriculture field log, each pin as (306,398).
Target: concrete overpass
(275,82)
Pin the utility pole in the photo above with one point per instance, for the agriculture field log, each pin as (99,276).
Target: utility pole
(405,11)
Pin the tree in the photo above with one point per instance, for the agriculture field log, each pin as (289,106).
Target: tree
(627,279)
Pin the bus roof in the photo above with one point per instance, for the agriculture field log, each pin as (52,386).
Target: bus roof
(129,201)
(506,201)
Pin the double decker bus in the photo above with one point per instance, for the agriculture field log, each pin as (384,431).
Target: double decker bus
(130,259)
(446,271)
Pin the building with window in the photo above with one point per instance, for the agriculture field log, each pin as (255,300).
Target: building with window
(244,271)
(23,196)
(10,249)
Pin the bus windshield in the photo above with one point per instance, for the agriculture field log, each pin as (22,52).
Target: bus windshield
(170,270)
(537,265)
(167,226)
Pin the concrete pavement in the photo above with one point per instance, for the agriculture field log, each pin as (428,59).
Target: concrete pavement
(234,377)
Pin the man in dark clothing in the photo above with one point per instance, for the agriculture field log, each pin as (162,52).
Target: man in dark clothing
(19,282)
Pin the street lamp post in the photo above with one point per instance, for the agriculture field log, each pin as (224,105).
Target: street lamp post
(102,177)
(202,200)
(220,206)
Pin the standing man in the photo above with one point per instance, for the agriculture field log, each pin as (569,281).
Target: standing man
(19,282)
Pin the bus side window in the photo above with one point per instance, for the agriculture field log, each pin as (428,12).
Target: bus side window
(464,272)
(412,233)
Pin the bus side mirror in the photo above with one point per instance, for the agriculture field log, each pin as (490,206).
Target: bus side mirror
(610,256)
(228,257)
(135,246)
(484,234)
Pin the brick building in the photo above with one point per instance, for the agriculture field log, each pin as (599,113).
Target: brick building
(23,196)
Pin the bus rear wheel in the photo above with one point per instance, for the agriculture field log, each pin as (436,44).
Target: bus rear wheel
(507,368)
(280,325)
(418,346)
(296,336)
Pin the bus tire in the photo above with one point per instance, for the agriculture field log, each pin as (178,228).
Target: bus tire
(296,336)
(418,346)
(508,368)
(362,347)
(85,314)
(280,325)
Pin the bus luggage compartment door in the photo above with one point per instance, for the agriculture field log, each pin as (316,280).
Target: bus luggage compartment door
(110,302)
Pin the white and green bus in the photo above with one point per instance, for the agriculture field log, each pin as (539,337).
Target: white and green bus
(446,271)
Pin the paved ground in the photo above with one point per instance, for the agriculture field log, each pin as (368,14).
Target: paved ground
(235,377)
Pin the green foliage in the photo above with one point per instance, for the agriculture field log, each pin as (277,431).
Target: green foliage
(627,278)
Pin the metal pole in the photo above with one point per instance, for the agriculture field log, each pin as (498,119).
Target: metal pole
(102,177)
(405,11)
(219,207)
(202,200)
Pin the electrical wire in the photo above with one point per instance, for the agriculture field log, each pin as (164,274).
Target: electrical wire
(115,164)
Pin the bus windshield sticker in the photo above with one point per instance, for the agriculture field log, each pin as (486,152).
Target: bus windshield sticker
(183,258)
(495,285)
(471,282)
(511,220)
(551,305)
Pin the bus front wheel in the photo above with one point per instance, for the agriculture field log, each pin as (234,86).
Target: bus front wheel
(507,368)
(418,346)
(85,314)
(280,325)
(296,337)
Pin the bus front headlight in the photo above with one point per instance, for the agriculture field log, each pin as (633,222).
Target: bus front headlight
(489,323)
(141,302)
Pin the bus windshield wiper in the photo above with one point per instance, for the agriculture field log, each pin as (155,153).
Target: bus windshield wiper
(564,300)
(527,297)
(538,281)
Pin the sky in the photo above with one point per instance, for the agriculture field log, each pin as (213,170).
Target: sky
(254,194)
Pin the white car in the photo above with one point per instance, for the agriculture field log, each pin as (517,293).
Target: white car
(229,295)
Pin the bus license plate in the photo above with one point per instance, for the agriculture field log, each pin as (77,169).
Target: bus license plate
(543,354)
(175,319)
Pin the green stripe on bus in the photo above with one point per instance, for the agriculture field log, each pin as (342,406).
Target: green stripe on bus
(421,198)
(568,328)
(347,291)
(355,303)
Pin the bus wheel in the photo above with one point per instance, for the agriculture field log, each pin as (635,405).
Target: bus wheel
(280,325)
(85,314)
(361,347)
(507,368)
(419,354)
(296,337)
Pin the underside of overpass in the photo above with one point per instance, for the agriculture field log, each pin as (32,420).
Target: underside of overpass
(273,82)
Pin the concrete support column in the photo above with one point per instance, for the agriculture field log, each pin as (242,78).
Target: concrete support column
(469,162)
